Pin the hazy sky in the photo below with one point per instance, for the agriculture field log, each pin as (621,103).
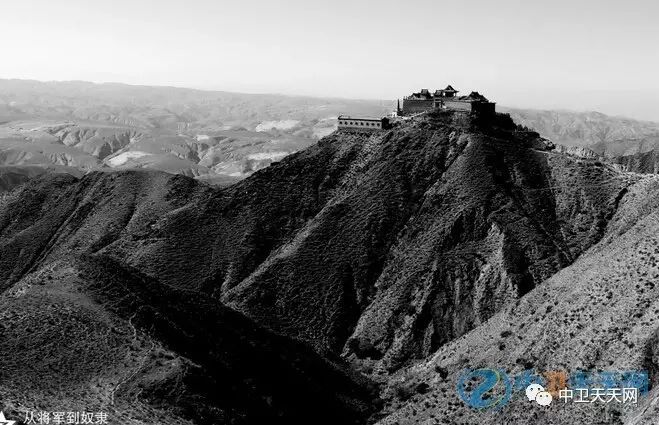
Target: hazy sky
(576,54)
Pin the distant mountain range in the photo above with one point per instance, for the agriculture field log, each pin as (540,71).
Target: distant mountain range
(220,137)
(214,136)
(606,135)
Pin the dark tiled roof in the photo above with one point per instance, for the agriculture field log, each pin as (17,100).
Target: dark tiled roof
(474,95)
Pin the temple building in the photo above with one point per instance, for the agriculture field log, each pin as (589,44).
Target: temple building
(447,98)
(419,102)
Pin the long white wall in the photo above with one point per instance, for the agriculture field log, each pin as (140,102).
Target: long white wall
(364,124)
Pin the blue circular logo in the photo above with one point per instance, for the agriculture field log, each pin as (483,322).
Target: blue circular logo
(474,385)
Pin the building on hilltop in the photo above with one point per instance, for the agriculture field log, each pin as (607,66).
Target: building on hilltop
(422,101)
(449,91)
(417,102)
(447,98)
(363,123)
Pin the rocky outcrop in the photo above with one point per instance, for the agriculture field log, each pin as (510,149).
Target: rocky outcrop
(645,163)
(578,152)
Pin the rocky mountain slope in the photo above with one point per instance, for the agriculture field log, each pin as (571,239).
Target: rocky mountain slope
(128,344)
(377,250)
(601,313)
(420,208)
(12,177)
(646,162)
